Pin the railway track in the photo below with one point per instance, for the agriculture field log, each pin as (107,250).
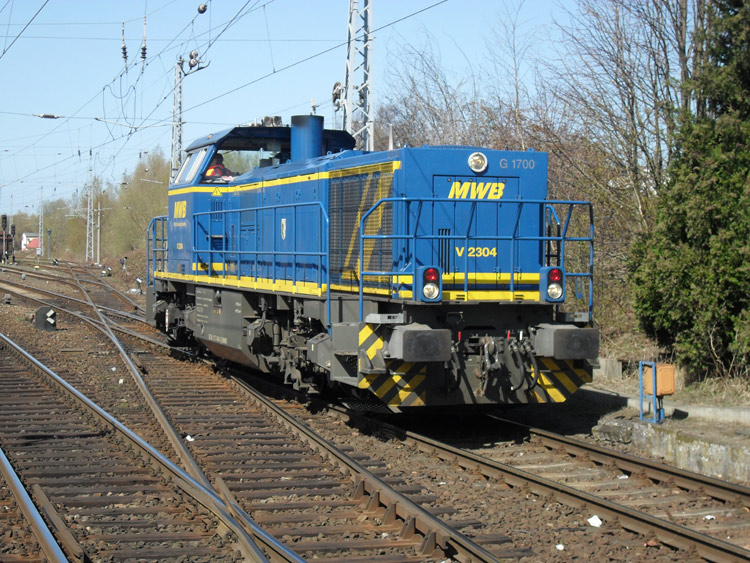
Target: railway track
(701,516)
(141,410)
(591,479)
(324,503)
(25,537)
(681,508)
(370,518)
(102,291)
(121,321)
(106,493)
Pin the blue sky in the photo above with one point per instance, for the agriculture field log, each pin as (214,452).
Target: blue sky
(263,57)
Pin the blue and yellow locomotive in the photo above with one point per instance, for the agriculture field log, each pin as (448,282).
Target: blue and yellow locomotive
(416,277)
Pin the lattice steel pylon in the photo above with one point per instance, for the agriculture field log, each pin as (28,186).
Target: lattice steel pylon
(195,64)
(177,122)
(355,100)
(90,224)
(41,221)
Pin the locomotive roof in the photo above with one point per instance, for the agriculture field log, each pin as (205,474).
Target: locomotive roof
(256,137)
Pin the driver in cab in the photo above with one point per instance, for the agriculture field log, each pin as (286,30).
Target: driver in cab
(217,171)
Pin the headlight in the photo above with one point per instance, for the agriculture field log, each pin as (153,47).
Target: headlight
(554,290)
(477,162)
(430,291)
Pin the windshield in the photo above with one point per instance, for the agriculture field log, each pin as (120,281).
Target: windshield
(228,163)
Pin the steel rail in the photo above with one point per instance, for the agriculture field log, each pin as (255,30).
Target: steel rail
(674,535)
(42,533)
(108,310)
(48,276)
(430,526)
(275,547)
(195,489)
(723,490)
(188,461)
(8,268)
(124,314)
(277,550)
(98,281)
(45,291)
(93,322)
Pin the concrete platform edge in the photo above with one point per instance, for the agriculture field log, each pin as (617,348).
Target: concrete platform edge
(731,415)
(721,457)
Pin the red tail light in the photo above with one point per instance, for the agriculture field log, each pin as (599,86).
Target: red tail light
(555,275)
(430,275)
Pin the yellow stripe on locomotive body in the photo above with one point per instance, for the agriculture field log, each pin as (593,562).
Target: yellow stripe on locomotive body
(282,286)
(410,278)
(308,288)
(224,190)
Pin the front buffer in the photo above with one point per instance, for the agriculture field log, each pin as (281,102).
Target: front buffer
(405,366)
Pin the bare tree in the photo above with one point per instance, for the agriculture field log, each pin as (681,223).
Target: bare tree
(607,110)
(510,53)
(619,80)
(427,105)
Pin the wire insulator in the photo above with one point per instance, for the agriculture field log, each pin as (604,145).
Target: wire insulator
(124,47)
(143,45)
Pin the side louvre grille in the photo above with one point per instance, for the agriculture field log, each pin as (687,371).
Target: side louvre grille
(350,197)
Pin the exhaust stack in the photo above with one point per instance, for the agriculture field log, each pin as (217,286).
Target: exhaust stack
(307,137)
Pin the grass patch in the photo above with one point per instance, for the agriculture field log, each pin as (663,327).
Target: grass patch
(716,392)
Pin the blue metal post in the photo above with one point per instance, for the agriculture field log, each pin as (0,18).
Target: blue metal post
(656,402)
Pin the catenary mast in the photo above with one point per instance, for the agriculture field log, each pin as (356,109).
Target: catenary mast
(355,99)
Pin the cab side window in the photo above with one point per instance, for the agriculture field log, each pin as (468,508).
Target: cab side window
(191,166)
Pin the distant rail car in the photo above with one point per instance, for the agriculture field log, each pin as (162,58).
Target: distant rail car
(7,237)
(410,278)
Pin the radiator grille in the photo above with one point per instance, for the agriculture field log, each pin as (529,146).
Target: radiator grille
(349,198)
(444,250)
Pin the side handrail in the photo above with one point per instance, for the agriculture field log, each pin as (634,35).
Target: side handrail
(551,219)
(225,219)
(156,255)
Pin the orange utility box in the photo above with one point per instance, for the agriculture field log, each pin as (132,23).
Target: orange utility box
(664,380)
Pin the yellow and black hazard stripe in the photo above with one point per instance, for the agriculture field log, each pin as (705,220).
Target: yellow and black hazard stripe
(558,380)
(403,386)
(369,341)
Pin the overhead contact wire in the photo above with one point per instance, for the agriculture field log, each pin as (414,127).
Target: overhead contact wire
(24,29)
